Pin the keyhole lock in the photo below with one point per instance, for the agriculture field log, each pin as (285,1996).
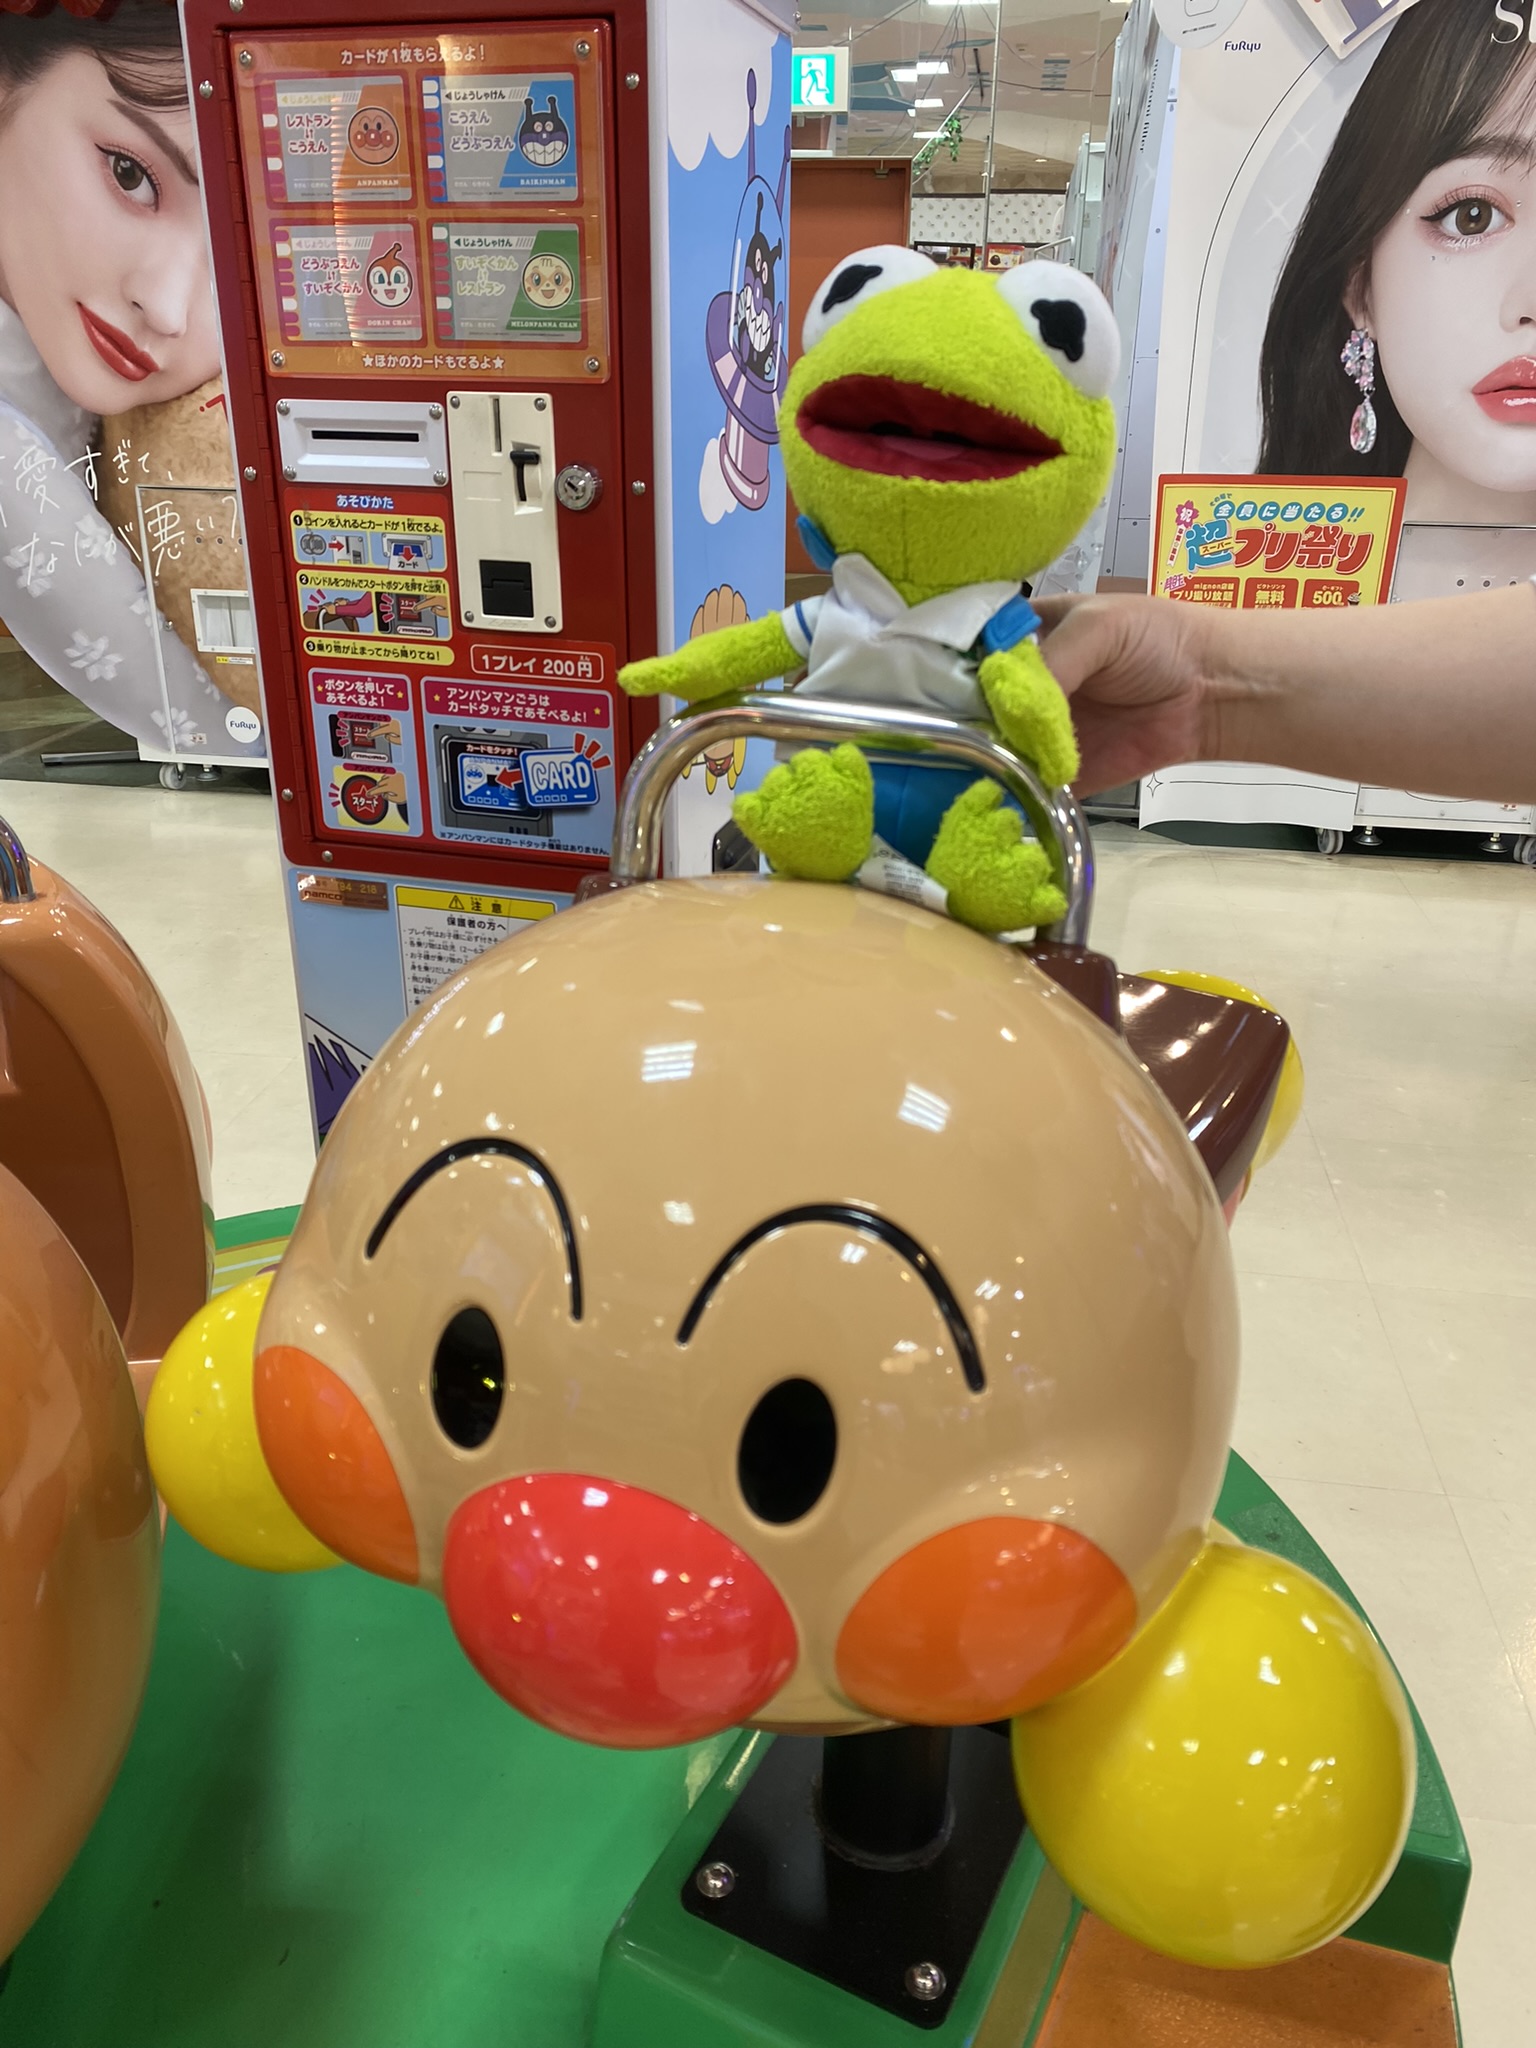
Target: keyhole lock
(578,488)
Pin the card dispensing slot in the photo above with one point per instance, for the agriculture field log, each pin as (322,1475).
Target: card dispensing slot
(362,442)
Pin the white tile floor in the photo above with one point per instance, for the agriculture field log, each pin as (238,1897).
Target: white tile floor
(1388,1259)
(193,882)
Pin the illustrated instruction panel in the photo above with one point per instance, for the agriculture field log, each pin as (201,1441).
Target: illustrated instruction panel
(528,760)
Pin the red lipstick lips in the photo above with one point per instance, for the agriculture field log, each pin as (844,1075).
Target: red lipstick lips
(119,354)
(908,430)
(1508,394)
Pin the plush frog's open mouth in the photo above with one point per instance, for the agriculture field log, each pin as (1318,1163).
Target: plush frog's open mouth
(899,429)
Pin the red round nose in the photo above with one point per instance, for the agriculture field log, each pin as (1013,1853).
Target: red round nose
(612,1615)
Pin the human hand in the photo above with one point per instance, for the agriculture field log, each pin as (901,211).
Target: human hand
(1136,670)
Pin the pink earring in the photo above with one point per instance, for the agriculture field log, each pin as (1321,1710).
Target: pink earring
(1359,360)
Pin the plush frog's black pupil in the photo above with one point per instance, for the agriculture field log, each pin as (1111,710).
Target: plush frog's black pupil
(848,284)
(1063,324)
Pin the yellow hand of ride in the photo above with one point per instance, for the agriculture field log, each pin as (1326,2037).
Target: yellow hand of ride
(1235,1787)
(200,1431)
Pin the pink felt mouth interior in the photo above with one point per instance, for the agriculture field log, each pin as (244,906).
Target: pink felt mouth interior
(891,428)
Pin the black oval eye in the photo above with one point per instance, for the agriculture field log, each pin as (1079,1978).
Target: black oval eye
(848,284)
(1063,323)
(788,1449)
(468,1379)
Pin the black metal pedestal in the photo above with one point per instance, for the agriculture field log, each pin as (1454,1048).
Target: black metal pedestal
(871,1861)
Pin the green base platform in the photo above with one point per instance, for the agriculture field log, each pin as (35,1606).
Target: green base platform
(669,1981)
(330,1834)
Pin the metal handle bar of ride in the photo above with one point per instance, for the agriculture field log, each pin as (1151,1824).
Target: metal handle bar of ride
(15,868)
(883,731)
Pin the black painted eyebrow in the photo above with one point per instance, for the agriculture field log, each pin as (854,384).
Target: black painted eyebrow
(872,1225)
(472,1148)
(180,162)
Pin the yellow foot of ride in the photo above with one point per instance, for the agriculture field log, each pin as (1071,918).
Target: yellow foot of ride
(998,881)
(814,815)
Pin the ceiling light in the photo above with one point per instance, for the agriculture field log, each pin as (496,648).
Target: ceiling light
(924,103)
(930,134)
(931,67)
(904,74)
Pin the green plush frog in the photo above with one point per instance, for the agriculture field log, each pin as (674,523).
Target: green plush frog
(946,433)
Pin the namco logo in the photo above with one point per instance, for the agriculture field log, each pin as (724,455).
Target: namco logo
(1512,20)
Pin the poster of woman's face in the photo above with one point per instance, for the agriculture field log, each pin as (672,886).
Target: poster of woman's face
(109,361)
(1351,285)
(101,236)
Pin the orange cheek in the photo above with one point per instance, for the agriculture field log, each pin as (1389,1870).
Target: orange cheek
(330,1463)
(984,1621)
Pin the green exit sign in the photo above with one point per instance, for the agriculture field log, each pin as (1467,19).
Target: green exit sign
(819,81)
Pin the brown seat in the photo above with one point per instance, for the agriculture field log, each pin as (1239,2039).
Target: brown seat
(1216,1059)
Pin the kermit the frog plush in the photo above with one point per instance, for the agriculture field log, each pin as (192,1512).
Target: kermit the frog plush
(946,433)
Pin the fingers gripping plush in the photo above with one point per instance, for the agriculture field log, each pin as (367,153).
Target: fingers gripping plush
(946,434)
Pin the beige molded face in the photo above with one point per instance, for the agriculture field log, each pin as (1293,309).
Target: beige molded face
(743,1133)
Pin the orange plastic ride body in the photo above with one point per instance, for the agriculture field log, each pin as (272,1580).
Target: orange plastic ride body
(79,1557)
(101,1115)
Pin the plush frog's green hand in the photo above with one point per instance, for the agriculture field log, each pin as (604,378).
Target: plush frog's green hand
(1030,711)
(736,658)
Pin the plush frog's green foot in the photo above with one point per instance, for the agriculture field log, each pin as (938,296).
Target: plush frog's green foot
(998,881)
(814,815)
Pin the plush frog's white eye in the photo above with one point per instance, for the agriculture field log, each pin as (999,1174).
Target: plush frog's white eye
(1070,318)
(856,279)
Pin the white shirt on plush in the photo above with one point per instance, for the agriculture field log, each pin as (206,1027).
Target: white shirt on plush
(863,642)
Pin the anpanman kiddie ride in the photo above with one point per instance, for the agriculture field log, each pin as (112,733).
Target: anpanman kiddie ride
(105,1249)
(847,1510)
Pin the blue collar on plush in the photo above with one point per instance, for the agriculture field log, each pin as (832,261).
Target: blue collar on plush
(815,543)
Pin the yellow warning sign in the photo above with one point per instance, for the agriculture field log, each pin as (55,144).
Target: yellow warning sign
(467,903)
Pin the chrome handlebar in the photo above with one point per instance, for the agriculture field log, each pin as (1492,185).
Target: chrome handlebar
(15,868)
(882,731)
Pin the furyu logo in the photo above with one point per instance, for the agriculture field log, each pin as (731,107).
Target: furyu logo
(1512,20)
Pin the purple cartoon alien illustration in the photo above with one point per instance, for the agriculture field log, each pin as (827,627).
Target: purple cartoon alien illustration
(744,329)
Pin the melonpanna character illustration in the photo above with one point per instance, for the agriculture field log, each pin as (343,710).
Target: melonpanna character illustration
(547,280)
(543,137)
(945,434)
